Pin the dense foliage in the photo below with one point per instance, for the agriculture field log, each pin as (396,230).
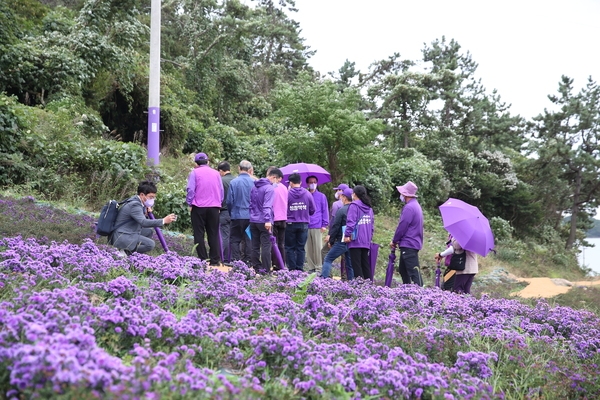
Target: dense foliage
(236,84)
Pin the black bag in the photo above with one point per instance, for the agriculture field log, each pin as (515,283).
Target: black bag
(458,261)
(106,223)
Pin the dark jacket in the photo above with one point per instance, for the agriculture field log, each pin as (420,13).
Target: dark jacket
(335,232)
(226,179)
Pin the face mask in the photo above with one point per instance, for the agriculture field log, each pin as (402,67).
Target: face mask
(276,184)
(337,195)
(312,186)
(149,202)
(402,199)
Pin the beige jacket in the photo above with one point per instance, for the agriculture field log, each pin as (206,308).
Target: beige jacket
(471,264)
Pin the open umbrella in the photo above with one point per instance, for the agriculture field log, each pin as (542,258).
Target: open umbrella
(468,226)
(305,170)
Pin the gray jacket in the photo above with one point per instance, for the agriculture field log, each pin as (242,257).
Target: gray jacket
(130,221)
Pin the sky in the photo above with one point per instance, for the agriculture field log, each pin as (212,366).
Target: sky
(522,47)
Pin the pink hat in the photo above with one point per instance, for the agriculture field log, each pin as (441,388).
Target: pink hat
(409,189)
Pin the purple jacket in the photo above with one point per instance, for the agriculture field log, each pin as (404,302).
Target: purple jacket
(409,232)
(280,202)
(334,209)
(204,188)
(261,201)
(320,219)
(360,218)
(300,205)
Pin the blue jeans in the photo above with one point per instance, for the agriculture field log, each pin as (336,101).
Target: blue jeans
(296,234)
(335,251)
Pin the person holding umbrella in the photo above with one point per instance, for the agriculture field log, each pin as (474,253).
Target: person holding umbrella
(360,225)
(409,235)
(261,220)
(462,279)
(280,201)
(470,231)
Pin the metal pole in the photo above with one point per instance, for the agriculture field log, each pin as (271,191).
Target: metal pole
(154,85)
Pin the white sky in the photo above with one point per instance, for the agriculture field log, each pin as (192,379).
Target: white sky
(522,47)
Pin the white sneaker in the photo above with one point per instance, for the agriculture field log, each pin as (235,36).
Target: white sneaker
(122,253)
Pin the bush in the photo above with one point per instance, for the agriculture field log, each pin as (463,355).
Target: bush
(428,175)
(501,228)
(14,167)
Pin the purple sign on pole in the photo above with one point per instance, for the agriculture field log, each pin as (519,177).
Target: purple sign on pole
(153,135)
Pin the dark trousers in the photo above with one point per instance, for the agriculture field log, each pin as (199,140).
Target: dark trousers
(462,283)
(241,246)
(409,267)
(261,247)
(206,219)
(360,262)
(279,233)
(225,226)
(296,234)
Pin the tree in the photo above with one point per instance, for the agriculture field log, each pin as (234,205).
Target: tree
(567,146)
(323,125)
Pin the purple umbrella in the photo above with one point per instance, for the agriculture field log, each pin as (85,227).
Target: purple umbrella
(438,275)
(468,226)
(373,258)
(389,273)
(305,170)
(161,238)
(277,253)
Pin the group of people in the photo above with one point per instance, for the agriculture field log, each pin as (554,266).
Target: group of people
(240,216)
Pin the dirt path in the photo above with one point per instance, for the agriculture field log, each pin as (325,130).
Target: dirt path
(547,287)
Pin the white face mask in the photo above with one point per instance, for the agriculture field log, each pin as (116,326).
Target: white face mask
(337,195)
(402,199)
(312,186)
(276,184)
(149,203)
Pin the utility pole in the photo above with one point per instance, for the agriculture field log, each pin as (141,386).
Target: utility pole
(154,86)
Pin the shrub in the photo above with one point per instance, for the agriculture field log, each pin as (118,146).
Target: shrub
(501,228)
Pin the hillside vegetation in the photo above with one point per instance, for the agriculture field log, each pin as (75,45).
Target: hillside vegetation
(236,84)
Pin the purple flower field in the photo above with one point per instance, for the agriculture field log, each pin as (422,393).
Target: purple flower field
(79,322)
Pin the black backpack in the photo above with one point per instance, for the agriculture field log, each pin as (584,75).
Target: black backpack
(106,223)
(458,261)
